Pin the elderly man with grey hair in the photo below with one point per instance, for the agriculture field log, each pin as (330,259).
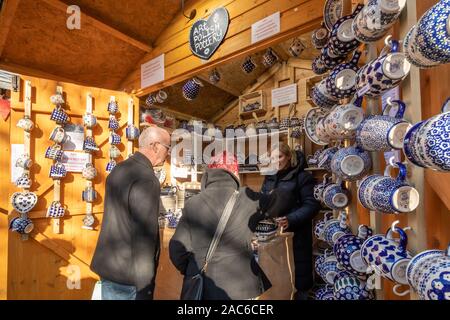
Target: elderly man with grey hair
(127,252)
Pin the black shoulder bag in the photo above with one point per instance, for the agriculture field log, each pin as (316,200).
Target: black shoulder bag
(194,285)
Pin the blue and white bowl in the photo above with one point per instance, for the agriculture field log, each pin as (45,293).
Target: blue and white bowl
(351,163)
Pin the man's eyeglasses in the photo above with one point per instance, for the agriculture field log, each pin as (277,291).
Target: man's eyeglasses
(169,148)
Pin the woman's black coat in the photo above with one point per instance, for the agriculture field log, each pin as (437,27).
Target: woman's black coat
(299,184)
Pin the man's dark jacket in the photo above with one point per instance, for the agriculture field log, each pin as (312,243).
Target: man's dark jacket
(128,246)
(233,272)
(299,185)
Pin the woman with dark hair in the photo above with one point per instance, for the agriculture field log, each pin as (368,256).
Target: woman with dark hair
(292,180)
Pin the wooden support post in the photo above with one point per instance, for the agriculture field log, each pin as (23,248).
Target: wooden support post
(89,133)
(56,222)
(27,136)
(130,143)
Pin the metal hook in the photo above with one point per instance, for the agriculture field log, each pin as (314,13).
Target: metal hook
(387,40)
(394,224)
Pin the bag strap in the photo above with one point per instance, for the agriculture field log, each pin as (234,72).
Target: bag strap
(220,229)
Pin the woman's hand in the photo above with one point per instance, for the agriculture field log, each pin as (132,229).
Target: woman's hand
(283,222)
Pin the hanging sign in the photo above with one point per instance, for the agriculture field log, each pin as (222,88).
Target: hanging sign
(207,35)
(152,72)
(266,27)
(75,161)
(284,96)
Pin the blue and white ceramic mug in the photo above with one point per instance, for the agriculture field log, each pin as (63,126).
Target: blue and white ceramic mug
(415,268)
(427,144)
(113,107)
(319,37)
(248,65)
(335,197)
(383,133)
(114,138)
(113,124)
(351,163)
(24,181)
(191,89)
(318,67)
(347,250)
(319,226)
(336,228)
(89,120)
(132,132)
(433,33)
(347,286)
(21,225)
(412,51)
(372,23)
(329,269)
(325,158)
(58,135)
(342,39)
(383,73)
(341,83)
(59,116)
(324,293)
(54,152)
(434,282)
(389,195)
(110,165)
(56,210)
(90,145)
(89,195)
(329,59)
(343,120)
(58,171)
(388,256)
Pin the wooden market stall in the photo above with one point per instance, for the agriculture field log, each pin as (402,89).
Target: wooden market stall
(103,59)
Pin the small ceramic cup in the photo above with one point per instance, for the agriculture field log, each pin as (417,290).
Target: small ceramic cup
(113,107)
(114,152)
(248,65)
(113,124)
(89,172)
(90,145)
(26,124)
(89,195)
(24,162)
(54,152)
(296,48)
(59,116)
(319,37)
(114,138)
(347,286)
(132,132)
(161,96)
(21,225)
(336,228)
(57,171)
(56,210)
(110,165)
(191,88)
(58,135)
(89,120)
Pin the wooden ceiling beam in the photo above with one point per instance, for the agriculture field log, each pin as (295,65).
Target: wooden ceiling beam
(85,18)
(220,85)
(7,14)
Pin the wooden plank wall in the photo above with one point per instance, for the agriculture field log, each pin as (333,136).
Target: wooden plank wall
(40,267)
(297,16)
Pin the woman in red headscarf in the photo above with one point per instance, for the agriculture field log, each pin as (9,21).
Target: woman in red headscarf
(233,272)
